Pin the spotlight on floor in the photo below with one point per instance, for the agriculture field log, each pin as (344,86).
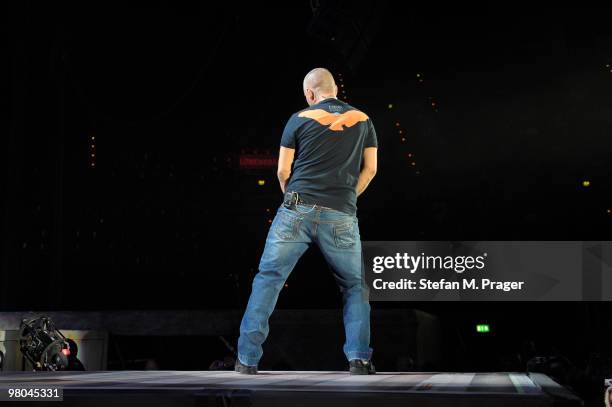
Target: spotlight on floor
(44,346)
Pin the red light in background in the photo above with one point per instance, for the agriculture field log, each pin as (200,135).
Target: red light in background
(257,161)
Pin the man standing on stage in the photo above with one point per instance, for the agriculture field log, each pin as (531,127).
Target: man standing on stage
(334,146)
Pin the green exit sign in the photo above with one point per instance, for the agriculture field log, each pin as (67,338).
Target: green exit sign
(483,328)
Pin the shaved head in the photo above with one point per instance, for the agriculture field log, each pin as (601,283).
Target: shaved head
(320,79)
(318,84)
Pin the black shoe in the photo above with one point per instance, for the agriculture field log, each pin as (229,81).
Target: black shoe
(361,366)
(244,369)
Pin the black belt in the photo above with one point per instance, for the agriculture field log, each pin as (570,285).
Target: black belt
(293,198)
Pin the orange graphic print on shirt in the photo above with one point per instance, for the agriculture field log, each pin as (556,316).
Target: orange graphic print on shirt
(336,121)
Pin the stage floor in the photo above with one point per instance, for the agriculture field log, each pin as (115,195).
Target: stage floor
(295,388)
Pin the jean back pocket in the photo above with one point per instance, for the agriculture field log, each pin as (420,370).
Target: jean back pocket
(344,235)
(286,226)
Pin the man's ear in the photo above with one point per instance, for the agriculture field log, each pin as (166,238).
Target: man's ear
(310,96)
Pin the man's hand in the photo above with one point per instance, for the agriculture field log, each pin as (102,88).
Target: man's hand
(368,169)
(608,397)
(285,159)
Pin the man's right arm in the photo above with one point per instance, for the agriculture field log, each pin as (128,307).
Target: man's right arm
(368,169)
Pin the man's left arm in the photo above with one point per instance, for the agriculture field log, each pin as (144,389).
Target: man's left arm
(287,152)
(285,160)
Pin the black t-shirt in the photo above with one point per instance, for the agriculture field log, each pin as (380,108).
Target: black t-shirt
(329,139)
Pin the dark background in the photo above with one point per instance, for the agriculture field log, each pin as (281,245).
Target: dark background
(504,112)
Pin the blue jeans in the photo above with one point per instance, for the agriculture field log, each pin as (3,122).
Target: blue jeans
(292,231)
